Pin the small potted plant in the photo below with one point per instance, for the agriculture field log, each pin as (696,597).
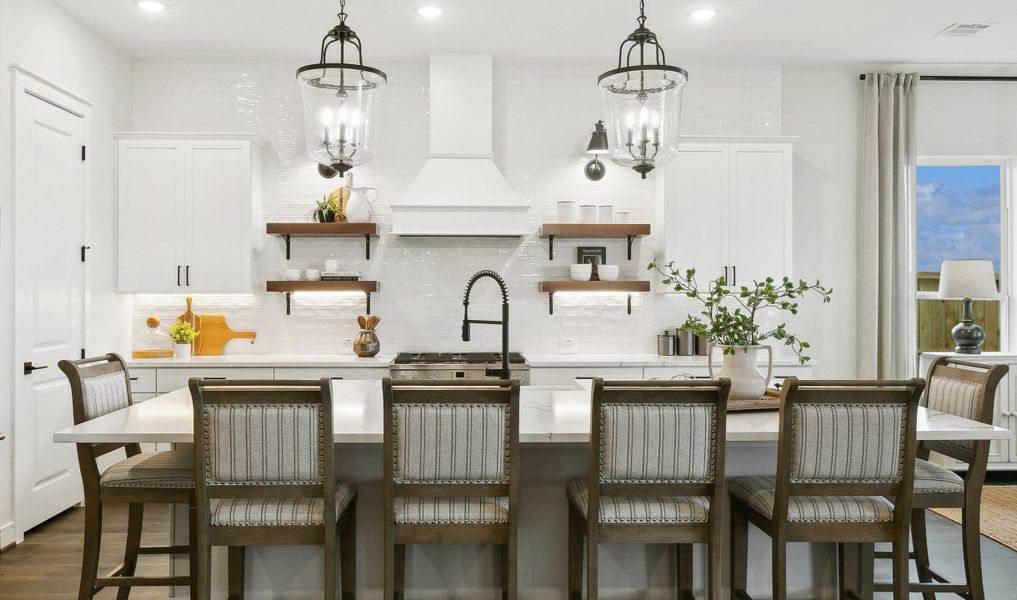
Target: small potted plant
(183,334)
(729,321)
(324,210)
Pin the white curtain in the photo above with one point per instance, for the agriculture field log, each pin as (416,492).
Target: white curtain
(886,277)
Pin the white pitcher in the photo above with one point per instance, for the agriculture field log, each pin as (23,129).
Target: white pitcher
(358,207)
(741,369)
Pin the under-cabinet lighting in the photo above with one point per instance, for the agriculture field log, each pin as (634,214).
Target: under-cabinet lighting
(429,11)
(151,6)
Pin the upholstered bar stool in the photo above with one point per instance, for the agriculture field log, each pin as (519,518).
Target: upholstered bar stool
(451,470)
(656,474)
(99,386)
(966,389)
(263,464)
(845,468)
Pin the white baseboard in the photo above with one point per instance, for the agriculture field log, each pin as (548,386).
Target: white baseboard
(7,536)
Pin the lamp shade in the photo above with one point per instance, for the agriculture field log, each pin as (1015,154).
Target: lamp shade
(975,279)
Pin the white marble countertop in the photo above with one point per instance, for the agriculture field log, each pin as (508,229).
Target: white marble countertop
(547,415)
(382,361)
(265,360)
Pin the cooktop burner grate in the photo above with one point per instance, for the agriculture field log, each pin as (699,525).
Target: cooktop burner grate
(454,358)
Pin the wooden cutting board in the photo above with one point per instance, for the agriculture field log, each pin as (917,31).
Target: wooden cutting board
(188,315)
(215,333)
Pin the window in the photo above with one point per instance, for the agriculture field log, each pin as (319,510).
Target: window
(961,213)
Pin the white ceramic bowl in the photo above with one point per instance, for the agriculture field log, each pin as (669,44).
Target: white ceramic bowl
(581,272)
(607,272)
(312,274)
(291,274)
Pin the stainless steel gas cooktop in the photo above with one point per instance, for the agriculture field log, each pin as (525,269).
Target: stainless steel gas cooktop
(457,365)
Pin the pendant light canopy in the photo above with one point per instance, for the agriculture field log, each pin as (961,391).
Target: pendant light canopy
(642,102)
(340,103)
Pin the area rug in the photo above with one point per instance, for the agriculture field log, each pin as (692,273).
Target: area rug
(999,514)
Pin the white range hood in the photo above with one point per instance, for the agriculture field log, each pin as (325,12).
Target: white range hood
(460,192)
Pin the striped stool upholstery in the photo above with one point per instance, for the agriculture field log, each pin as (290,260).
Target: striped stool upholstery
(264,453)
(451,470)
(99,386)
(656,464)
(845,469)
(965,388)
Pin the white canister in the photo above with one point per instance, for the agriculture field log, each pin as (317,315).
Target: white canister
(291,274)
(621,217)
(331,265)
(312,274)
(605,214)
(587,213)
(568,212)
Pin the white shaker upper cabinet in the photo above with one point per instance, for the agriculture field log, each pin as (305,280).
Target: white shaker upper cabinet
(726,209)
(185,213)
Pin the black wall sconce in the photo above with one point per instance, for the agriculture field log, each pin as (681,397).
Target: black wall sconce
(595,169)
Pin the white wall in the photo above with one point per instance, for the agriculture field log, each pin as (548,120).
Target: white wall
(543,115)
(42,38)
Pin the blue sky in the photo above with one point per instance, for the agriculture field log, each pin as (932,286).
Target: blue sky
(958,214)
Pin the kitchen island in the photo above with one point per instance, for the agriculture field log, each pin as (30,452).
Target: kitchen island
(554,428)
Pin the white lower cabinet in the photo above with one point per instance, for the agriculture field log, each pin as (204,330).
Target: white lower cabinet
(354,373)
(142,382)
(779,371)
(566,375)
(177,377)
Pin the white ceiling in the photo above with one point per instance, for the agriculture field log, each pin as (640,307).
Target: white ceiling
(744,31)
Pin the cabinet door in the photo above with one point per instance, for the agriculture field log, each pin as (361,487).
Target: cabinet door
(1000,450)
(695,209)
(219,180)
(759,218)
(150,195)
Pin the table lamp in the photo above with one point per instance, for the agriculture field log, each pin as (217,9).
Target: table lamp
(968,280)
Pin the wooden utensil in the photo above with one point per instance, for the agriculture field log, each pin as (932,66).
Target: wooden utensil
(188,316)
(362,322)
(215,333)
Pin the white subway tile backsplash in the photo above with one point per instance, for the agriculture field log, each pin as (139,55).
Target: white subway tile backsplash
(543,116)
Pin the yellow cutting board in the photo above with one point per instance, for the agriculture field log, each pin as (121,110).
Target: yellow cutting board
(188,316)
(215,333)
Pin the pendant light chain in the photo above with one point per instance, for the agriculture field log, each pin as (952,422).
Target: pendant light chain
(642,13)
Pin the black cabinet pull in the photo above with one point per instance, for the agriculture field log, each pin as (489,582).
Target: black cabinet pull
(178,275)
(734,275)
(726,282)
(133,378)
(187,275)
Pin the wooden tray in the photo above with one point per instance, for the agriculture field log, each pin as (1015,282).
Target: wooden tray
(768,401)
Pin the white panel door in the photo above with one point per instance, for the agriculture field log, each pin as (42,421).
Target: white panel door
(759,221)
(1000,450)
(48,302)
(218,216)
(696,209)
(150,207)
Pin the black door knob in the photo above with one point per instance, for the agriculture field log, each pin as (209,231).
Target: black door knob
(29,367)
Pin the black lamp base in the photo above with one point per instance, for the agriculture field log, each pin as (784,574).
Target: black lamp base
(967,335)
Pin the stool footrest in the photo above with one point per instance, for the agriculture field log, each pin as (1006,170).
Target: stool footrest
(179,549)
(942,588)
(105,582)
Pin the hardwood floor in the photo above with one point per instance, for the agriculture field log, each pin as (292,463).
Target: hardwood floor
(47,565)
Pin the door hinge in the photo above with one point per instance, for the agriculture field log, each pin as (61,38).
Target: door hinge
(82,154)
(82,353)
(83,250)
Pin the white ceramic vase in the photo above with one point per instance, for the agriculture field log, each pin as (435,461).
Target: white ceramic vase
(183,350)
(358,207)
(742,368)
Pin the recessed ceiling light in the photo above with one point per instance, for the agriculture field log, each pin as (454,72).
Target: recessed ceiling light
(151,6)
(429,11)
(703,14)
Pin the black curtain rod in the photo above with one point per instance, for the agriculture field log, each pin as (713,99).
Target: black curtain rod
(959,77)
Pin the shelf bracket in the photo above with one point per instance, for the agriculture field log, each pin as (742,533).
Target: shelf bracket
(550,303)
(287,301)
(286,237)
(630,301)
(550,247)
(367,243)
(630,239)
(368,302)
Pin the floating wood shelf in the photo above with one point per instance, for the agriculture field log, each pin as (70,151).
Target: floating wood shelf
(288,287)
(289,230)
(630,287)
(629,231)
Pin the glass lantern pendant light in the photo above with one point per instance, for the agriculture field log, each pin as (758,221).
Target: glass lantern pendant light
(340,103)
(642,101)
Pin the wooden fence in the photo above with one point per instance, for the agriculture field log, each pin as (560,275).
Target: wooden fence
(937,317)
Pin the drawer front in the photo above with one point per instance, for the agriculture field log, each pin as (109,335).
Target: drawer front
(779,372)
(174,379)
(354,373)
(139,398)
(566,375)
(142,380)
